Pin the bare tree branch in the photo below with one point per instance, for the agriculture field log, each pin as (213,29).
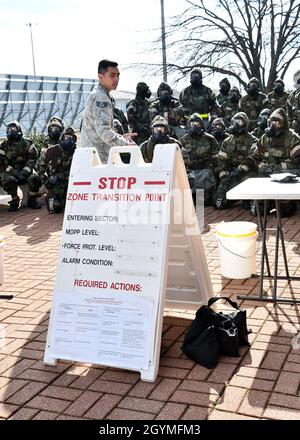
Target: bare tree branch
(238,38)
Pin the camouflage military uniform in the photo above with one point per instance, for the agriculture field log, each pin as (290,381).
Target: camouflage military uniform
(200,157)
(97,128)
(233,152)
(278,153)
(138,113)
(223,96)
(54,170)
(293,110)
(201,151)
(18,158)
(233,160)
(147,147)
(278,150)
(55,127)
(197,98)
(168,107)
(229,108)
(277,101)
(253,105)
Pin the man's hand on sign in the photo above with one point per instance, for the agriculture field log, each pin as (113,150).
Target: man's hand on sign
(129,136)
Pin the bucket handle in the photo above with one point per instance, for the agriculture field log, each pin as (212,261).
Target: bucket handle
(233,253)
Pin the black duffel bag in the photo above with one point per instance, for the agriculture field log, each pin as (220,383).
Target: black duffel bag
(211,334)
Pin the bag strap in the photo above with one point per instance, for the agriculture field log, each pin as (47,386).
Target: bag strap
(211,301)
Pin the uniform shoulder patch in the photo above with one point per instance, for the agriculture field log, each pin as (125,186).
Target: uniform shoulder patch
(101,104)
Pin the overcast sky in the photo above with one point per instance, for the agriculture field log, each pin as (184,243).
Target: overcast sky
(71,36)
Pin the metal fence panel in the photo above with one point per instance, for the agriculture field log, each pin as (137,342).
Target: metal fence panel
(34,100)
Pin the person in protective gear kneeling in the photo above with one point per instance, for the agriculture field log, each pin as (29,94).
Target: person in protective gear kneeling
(18,158)
(233,163)
(54,170)
(199,154)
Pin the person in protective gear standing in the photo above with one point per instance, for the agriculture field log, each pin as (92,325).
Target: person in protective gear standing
(168,107)
(253,103)
(293,105)
(278,151)
(278,96)
(54,170)
(197,98)
(223,96)
(97,125)
(138,113)
(229,108)
(18,158)
(159,135)
(233,155)
(200,157)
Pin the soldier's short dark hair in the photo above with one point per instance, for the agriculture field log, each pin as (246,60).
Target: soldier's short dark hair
(105,64)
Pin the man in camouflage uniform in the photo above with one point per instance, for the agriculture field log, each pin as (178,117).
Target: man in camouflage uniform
(279,148)
(253,103)
(169,107)
(293,105)
(232,157)
(197,98)
(278,96)
(54,128)
(223,96)
(17,161)
(159,135)
(138,113)
(200,157)
(54,170)
(262,123)
(230,107)
(97,127)
(218,131)
(278,151)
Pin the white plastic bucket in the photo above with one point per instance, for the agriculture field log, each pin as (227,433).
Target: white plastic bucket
(237,249)
(1,259)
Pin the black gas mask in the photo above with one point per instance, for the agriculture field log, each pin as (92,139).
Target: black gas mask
(13,134)
(237,127)
(68,143)
(252,89)
(159,133)
(196,128)
(275,129)
(196,80)
(278,88)
(234,98)
(224,87)
(165,96)
(54,132)
(218,133)
(144,92)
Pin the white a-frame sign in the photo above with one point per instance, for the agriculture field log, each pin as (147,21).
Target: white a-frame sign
(130,245)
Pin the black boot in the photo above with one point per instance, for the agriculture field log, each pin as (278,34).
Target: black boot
(33,203)
(14,204)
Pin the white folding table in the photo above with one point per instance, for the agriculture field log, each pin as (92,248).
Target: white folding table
(263,188)
(4,199)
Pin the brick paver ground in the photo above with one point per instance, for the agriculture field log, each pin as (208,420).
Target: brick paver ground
(261,384)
